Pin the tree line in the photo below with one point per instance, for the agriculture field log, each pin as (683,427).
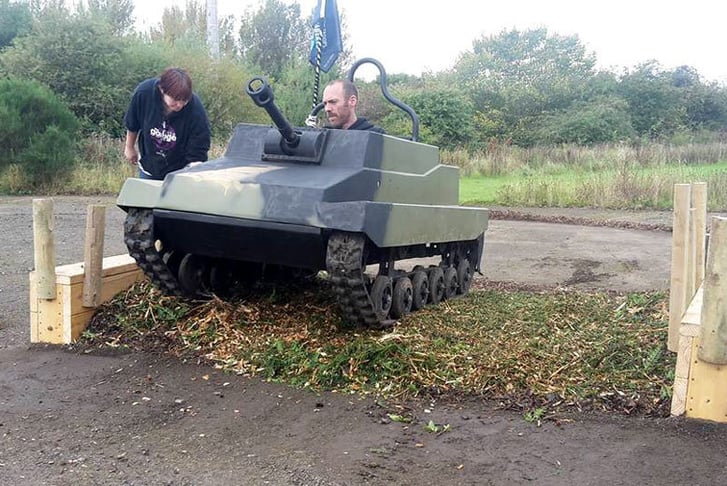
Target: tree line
(70,70)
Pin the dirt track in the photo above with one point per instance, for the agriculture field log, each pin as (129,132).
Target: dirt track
(69,418)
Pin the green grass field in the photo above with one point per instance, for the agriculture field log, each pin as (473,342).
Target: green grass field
(625,188)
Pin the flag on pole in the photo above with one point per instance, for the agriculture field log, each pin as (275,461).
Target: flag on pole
(327,22)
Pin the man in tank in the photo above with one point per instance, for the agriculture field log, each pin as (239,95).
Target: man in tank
(340,98)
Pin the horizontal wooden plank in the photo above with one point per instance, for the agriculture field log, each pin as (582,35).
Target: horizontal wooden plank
(113,265)
(110,286)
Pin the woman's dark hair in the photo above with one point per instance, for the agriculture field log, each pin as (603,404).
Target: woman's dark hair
(175,82)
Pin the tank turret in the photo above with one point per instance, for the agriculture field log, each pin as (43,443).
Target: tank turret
(288,142)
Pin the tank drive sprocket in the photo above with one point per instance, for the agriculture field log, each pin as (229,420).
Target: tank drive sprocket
(139,239)
(345,263)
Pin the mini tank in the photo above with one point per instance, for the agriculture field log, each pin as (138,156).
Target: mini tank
(297,201)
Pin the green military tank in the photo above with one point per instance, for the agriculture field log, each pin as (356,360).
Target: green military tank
(294,201)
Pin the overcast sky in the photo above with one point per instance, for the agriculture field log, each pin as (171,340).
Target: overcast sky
(416,36)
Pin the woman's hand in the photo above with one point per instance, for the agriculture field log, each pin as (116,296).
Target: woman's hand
(132,155)
(130,152)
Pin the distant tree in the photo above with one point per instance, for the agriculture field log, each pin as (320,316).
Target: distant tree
(373,105)
(188,24)
(228,36)
(706,107)
(519,76)
(272,36)
(118,13)
(15,20)
(654,99)
(602,83)
(592,122)
(685,77)
(46,6)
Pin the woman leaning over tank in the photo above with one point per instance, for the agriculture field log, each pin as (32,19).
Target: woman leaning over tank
(167,125)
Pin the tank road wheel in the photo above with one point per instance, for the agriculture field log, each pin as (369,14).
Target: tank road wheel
(382,297)
(139,239)
(436,285)
(420,289)
(402,298)
(464,276)
(172,259)
(222,277)
(194,276)
(418,268)
(450,283)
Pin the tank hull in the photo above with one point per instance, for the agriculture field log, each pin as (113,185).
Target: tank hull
(261,205)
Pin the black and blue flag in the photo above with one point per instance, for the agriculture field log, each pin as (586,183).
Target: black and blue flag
(327,32)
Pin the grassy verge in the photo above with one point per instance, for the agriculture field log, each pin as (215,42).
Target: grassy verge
(538,351)
(614,177)
(100,169)
(616,188)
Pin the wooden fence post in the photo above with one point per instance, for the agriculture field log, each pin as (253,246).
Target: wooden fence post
(93,255)
(699,203)
(713,332)
(44,248)
(690,285)
(679,262)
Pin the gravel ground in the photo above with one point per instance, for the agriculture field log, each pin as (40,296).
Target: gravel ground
(130,418)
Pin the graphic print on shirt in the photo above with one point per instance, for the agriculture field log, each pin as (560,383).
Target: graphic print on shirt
(164,138)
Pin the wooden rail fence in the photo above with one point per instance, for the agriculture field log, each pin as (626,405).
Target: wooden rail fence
(698,307)
(64,298)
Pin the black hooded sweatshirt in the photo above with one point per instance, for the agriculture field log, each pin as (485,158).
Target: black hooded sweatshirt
(166,143)
(363,124)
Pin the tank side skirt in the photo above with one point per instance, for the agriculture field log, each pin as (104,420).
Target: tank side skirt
(242,239)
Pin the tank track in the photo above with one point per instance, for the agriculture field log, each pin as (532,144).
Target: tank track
(139,239)
(345,265)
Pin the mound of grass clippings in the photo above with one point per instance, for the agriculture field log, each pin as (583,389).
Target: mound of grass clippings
(526,349)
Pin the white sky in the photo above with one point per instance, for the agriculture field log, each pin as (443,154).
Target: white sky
(415,36)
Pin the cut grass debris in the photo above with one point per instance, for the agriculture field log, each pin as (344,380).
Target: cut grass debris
(530,350)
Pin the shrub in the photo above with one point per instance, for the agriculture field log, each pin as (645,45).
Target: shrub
(446,113)
(600,121)
(37,131)
(78,58)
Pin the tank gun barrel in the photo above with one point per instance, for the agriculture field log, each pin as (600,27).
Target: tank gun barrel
(262,95)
